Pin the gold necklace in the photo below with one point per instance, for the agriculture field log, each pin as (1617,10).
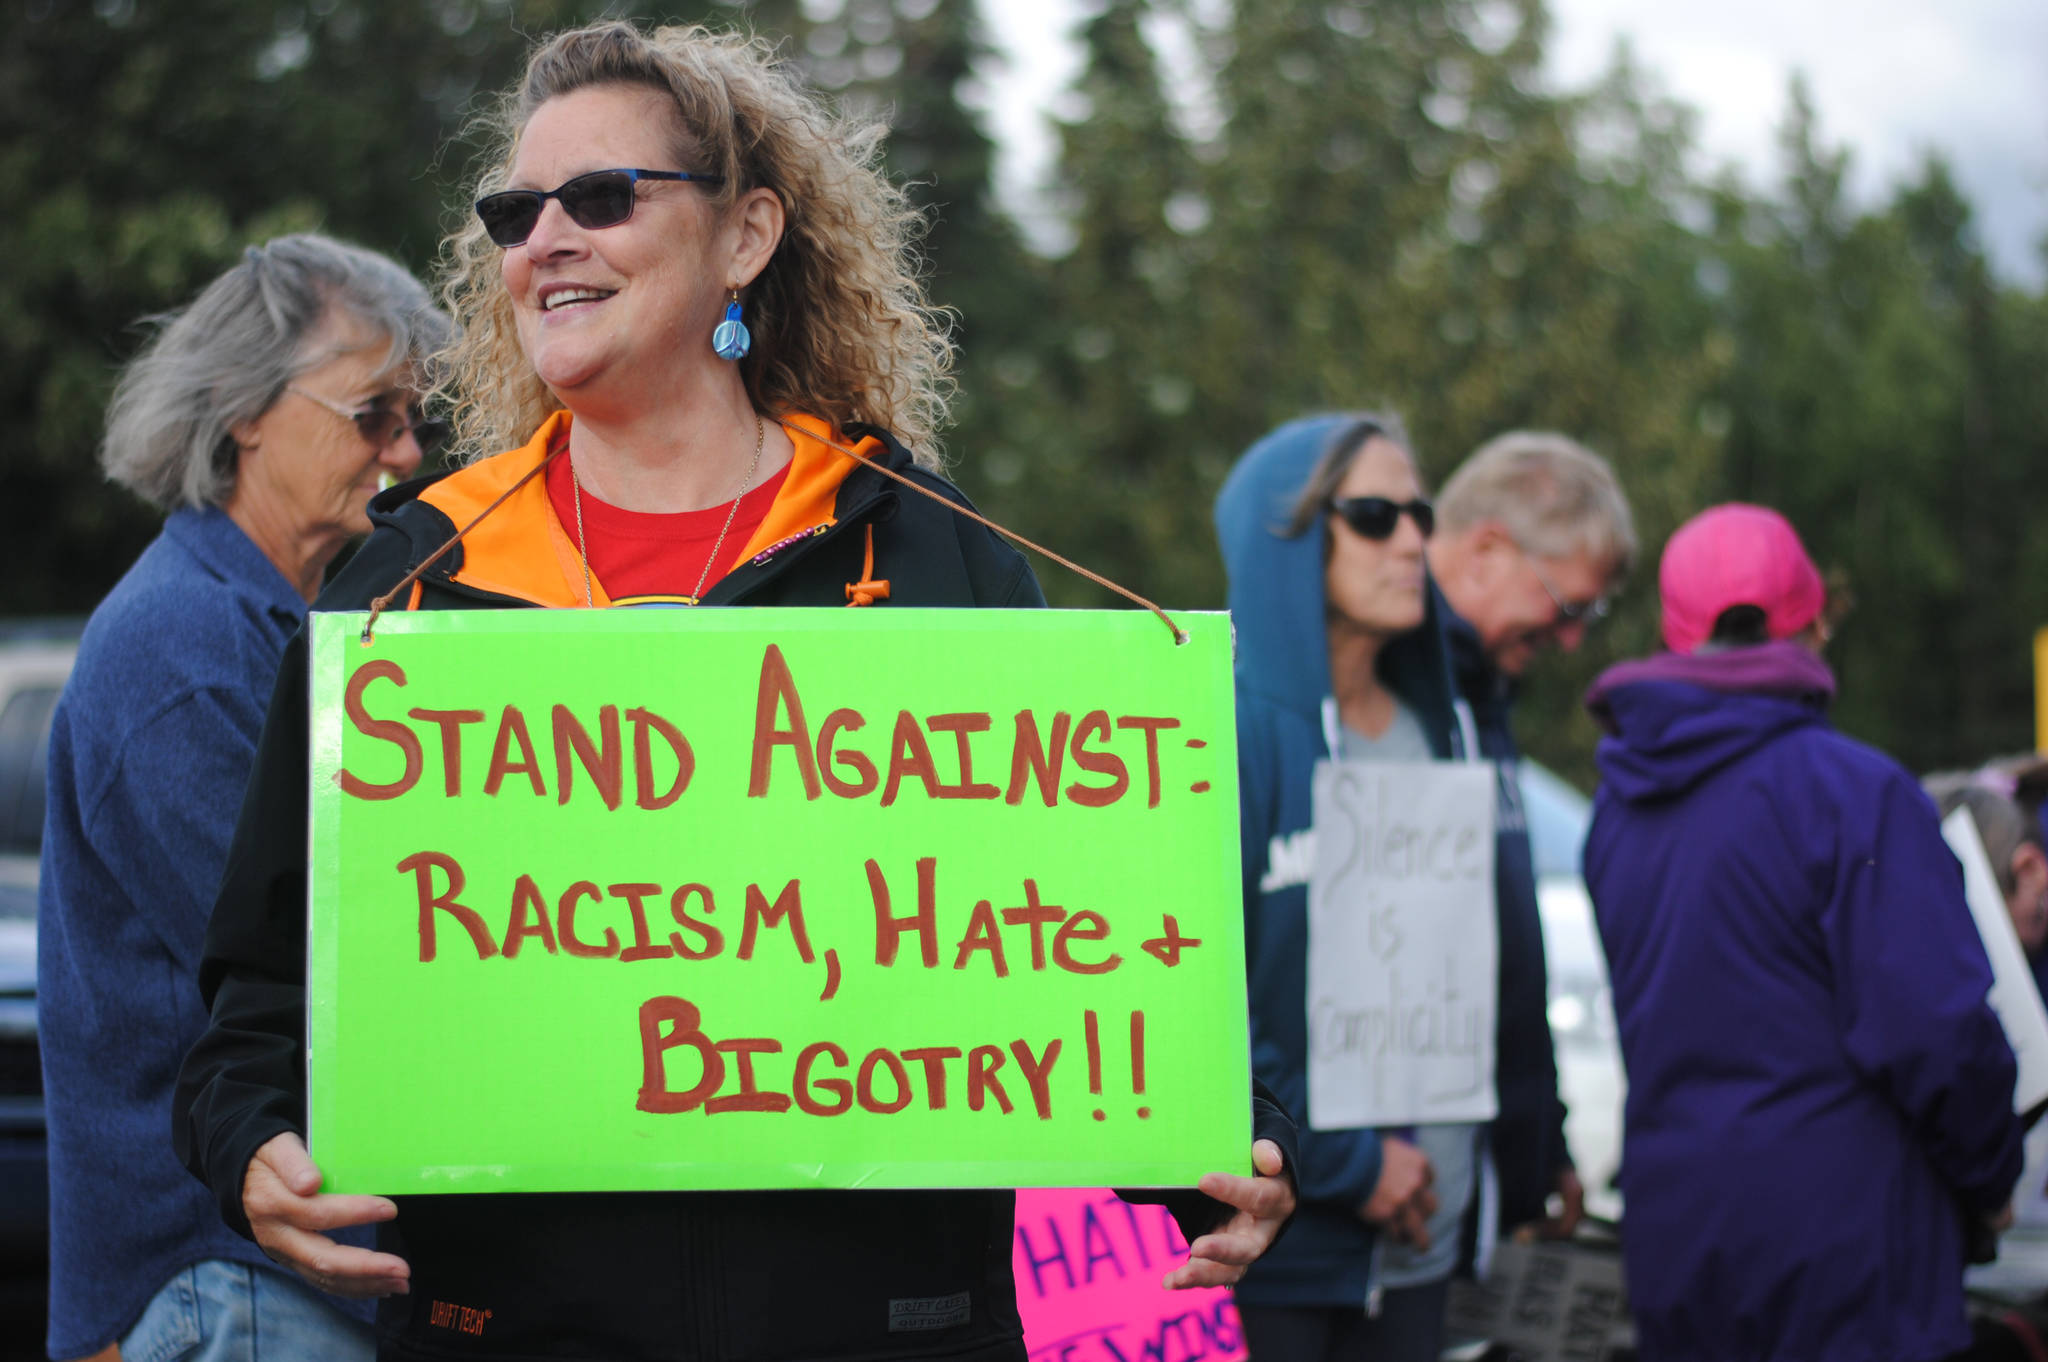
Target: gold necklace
(696,596)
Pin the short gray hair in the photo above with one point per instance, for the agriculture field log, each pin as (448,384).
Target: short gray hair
(227,356)
(2002,824)
(1555,496)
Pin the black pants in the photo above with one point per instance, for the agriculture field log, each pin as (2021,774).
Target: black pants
(1410,1328)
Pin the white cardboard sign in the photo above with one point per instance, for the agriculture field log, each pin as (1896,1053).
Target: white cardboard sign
(2013,995)
(1549,1302)
(1403,958)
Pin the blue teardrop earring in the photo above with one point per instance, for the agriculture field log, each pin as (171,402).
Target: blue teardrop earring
(730,339)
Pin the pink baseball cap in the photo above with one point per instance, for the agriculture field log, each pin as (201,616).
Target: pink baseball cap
(1733,555)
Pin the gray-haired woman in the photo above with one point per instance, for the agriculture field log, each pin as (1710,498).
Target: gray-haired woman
(262,417)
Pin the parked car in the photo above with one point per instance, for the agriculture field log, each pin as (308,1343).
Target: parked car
(35,658)
(1582,1026)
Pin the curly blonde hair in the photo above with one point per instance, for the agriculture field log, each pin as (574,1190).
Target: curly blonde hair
(841,325)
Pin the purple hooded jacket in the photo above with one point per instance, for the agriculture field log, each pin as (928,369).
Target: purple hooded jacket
(1818,1091)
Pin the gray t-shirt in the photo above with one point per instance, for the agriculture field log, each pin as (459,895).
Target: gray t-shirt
(1404,740)
(1452,1149)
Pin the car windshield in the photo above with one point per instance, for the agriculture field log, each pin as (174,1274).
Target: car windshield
(24,738)
(1558,818)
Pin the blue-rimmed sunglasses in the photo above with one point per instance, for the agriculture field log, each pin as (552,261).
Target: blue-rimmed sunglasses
(602,198)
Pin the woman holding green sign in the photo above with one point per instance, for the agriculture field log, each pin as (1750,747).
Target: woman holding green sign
(691,314)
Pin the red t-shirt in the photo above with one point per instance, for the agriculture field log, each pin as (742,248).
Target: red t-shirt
(655,557)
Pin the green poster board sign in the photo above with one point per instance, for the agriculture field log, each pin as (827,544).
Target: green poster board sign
(640,899)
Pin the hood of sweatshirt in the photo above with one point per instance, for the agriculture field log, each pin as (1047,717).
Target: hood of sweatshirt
(1674,720)
(1277,601)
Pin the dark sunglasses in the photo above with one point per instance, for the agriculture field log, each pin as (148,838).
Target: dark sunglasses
(382,426)
(1377,517)
(603,198)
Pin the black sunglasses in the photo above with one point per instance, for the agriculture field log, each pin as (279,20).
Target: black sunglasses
(382,426)
(1377,517)
(603,198)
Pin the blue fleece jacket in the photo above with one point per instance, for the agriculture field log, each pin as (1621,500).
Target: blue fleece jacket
(150,747)
(1818,1090)
(1283,675)
(1528,1133)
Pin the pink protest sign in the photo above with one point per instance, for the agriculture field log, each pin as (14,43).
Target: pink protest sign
(1088,1269)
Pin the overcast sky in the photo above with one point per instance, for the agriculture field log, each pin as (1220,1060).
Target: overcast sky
(1893,79)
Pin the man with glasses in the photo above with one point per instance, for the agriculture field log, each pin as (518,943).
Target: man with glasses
(1533,533)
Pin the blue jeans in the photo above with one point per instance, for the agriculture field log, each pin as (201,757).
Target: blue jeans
(217,1311)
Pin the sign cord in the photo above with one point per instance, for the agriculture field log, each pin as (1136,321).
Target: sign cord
(1179,635)
(383,602)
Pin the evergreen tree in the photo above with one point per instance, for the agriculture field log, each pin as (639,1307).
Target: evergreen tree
(1445,237)
(1391,210)
(212,124)
(1572,300)
(1873,401)
(1122,366)
(909,65)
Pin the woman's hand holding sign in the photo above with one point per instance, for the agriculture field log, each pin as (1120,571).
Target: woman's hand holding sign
(289,1216)
(1262,1205)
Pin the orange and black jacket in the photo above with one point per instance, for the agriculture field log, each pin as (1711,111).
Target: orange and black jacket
(711,1275)
(812,548)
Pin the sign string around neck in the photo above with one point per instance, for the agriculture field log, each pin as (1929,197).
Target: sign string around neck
(382,603)
(1179,634)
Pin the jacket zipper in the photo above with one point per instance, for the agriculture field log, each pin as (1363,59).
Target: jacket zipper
(751,576)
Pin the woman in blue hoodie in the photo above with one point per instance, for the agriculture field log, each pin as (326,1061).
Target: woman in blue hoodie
(1340,653)
(1820,1099)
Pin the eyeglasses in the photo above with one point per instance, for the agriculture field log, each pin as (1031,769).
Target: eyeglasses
(1568,612)
(382,426)
(603,198)
(1378,518)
